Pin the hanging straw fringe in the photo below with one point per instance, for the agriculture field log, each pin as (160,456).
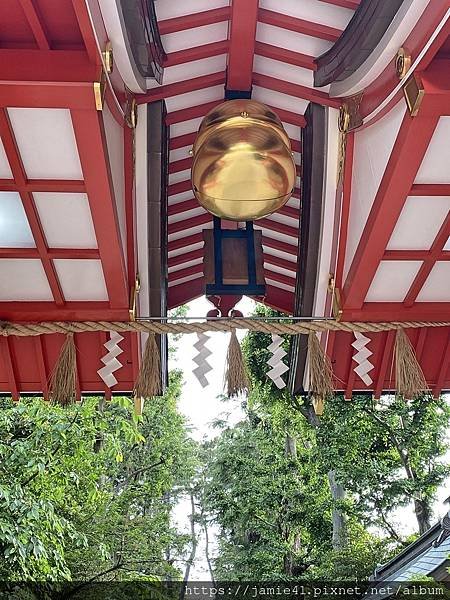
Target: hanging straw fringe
(236,379)
(409,378)
(64,376)
(320,374)
(148,383)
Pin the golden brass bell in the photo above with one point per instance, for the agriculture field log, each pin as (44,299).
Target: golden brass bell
(242,167)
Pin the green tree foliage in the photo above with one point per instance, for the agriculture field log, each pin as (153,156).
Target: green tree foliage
(86,492)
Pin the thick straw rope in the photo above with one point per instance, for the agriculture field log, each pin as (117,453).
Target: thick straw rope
(225,325)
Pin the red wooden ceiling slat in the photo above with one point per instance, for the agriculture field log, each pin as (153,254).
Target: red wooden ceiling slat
(35,22)
(184,242)
(182,141)
(279,277)
(180,165)
(174,261)
(181,207)
(351,4)
(187,272)
(286,56)
(281,262)
(189,223)
(295,90)
(182,87)
(279,245)
(196,53)
(317,30)
(207,17)
(194,112)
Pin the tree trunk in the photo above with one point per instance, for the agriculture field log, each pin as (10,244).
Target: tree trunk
(339,539)
(423,513)
(291,446)
(194,542)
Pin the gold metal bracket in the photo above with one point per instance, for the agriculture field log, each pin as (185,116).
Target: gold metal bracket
(414,94)
(133,298)
(99,91)
(131,114)
(336,297)
(402,63)
(108,59)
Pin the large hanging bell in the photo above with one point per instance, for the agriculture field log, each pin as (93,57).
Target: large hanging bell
(243,168)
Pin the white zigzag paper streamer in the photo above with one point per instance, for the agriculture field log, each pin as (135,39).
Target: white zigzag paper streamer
(110,360)
(276,362)
(364,366)
(200,359)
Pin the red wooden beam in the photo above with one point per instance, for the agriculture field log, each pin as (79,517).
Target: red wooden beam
(189,223)
(409,149)
(279,278)
(295,90)
(426,268)
(34,21)
(90,138)
(47,94)
(351,4)
(51,253)
(196,53)
(194,112)
(180,165)
(430,189)
(296,145)
(279,299)
(71,311)
(174,261)
(185,242)
(181,207)
(43,185)
(187,272)
(17,64)
(276,19)
(268,223)
(207,17)
(185,292)
(443,369)
(244,16)
(9,367)
(289,265)
(18,171)
(40,362)
(278,245)
(290,117)
(84,18)
(182,87)
(182,141)
(396,311)
(129,189)
(179,187)
(289,211)
(286,56)
(385,363)
(423,255)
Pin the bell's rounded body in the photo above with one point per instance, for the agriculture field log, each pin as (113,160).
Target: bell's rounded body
(242,167)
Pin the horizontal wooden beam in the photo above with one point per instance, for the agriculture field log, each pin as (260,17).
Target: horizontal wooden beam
(350,4)
(415,255)
(287,56)
(295,90)
(430,189)
(182,87)
(324,32)
(185,242)
(196,53)
(43,185)
(200,19)
(193,112)
(51,253)
(270,242)
(71,311)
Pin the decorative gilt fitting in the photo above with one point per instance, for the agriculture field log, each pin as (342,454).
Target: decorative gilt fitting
(108,57)
(344,119)
(402,62)
(414,94)
(99,91)
(131,114)
(336,294)
(133,298)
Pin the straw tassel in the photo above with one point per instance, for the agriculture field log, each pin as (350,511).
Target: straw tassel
(64,377)
(236,379)
(409,378)
(320,374)
(148,383)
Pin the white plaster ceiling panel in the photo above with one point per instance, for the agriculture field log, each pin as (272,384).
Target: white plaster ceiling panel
(194,98)
(284,71)
(179,176)
(373,147)
(195,68)
(276,235)
(282,271)
(115,145)
(435,165)
(419,223)
(46,142)
(179,153)
(197,36)
(293,131)
(279,100)
(66,219)
(169,9)
(187,248)
(81,279)
(177,198)
(26,281)
(5,169)
(278,284)
(185,127)
(15,230)
(314,11)
(297,42)
(189,231)
(393,280)
(279,254)
(437,286)
(186,265)
(447,245)
(188,214)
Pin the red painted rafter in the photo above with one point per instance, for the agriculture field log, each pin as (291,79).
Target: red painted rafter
(31,212)
(396,311)
(423,255)
(435,251)
(268,223)
(90,138)
(43,185)
(409,149)
(189,223)
(345,209)
(207,17)
(181,207)
(286,56)
(430,189)
(386,362)
(295,90)
(180,165)
(179,187)
(174,261)
(244,17)
(323,32)
(270,242)
(51,253)
(182,87)
(196,53)
(182,141)
(185,292)
(290,117)
(185,242)
(71,311)
(351,4)
(8,362)
(443,369)
(276,261)
(83,16)
(31,13)
(47,94)
(187,272)
(40,363)
(279,278)
(194,112)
